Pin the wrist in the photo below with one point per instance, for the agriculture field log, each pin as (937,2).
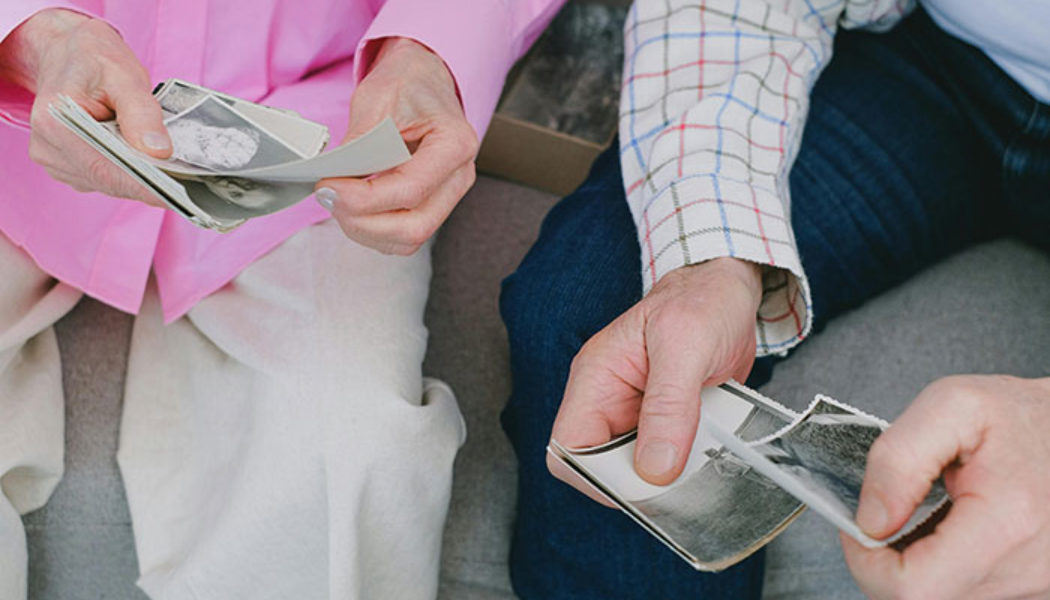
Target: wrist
(399,45)
(22,52)
(748,273)
(406,55)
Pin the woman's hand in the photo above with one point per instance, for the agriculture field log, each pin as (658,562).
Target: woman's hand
(62,52)
(396,212)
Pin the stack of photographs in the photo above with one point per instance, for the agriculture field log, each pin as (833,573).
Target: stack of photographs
(753,467)
(232,159)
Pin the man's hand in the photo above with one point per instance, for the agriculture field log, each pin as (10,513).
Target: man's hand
(695,328)
(396,212)
(62,52)
(992,435)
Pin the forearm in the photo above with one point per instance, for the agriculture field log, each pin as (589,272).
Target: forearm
(709,121)
(711,114)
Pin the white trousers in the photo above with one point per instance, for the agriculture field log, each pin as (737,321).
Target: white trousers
(278,442)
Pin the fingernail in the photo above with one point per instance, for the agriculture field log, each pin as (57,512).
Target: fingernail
(872,516)
(156,141)
(326,197)
(657,458)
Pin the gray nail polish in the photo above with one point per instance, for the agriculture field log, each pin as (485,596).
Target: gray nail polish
(326,197)
(155,141)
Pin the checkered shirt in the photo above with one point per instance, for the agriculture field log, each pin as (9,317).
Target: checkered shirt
(714,98)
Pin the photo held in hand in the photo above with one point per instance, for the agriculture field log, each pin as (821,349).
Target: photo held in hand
(233,159)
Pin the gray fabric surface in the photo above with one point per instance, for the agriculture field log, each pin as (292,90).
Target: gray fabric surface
(977,312)
(986,310)
(80,543)
(483,242)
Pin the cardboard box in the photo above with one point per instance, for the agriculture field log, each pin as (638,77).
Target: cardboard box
(559,109)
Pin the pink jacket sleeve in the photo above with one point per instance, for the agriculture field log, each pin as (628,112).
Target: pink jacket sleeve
(15,103)
(479,40)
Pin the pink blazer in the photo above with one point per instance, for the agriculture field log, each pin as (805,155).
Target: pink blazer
(298,54)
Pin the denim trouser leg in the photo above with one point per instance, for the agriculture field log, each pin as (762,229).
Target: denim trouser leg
(582,273)
(899,167)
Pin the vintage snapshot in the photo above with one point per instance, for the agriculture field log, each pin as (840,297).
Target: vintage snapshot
(306,137)
(176,97)
(236,198)
(215,137)
(826,451)
(753,467)
(719,510)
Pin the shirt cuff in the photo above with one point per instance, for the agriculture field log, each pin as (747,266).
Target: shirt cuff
(696,220)
(476,39)
(16,103)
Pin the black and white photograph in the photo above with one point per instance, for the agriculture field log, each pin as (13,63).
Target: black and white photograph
(237,198)
(216,137)
(827,451)
(242,192)
(176,97)
(727,504)
(723,511)
(720,509)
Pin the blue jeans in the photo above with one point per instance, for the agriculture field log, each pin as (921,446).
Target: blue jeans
(916,146)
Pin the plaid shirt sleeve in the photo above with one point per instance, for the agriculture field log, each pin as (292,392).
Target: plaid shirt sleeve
(712,109)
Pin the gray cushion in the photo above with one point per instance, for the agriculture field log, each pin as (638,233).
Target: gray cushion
(80,543)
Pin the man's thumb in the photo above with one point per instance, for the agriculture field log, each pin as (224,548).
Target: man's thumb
(669,414)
